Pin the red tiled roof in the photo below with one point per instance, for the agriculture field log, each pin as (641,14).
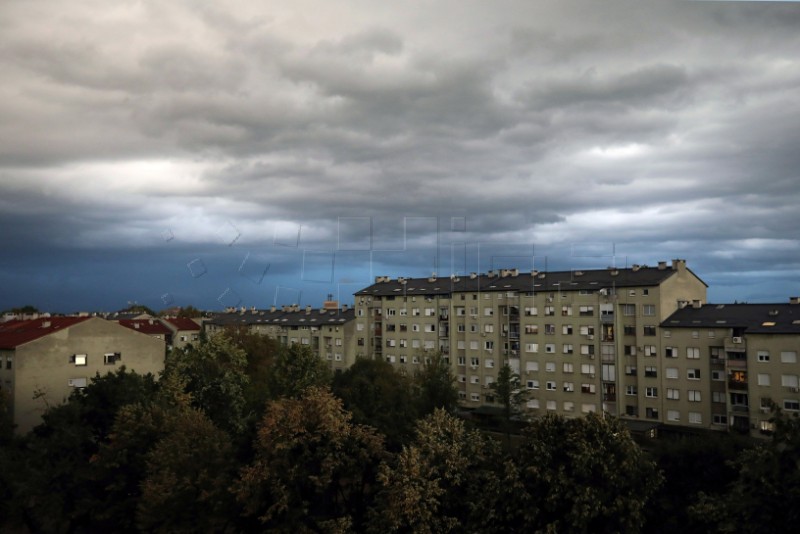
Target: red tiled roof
(16,333)
(150,327)
(183,323)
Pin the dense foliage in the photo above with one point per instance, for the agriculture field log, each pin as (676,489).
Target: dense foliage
(241,434)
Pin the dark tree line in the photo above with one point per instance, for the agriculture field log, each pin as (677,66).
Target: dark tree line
(240,434)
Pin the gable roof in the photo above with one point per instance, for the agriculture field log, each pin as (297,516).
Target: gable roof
(16,333)
(755,318)
(182,323)
(513,280)
(150,327)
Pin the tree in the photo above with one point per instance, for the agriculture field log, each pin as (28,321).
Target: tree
(379,396)
(435,385)
(296,369)
(314,469)
(510,394)
(261,351)
(765,496)
(446,480)
(582,475)
(189,312)
(215,376)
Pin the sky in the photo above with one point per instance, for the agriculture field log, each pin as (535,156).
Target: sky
(256,153)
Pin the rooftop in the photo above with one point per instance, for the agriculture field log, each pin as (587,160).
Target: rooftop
(19,332)
(783,318)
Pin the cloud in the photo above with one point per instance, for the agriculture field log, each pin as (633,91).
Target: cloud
(659,127)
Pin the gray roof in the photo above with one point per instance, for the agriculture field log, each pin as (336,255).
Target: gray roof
(754,318)
(527,281)
(315,317)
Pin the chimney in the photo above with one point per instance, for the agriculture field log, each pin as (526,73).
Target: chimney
(473,276)
(662,265)
(308,309)
(378,279)
(614,271)
(432,278)
(794,300)
(696,304)
(490,274)
(46,324)
(678,265)
(635,267)
(136,326)
(344,307)
(273,308)
(534,272)
(682,304)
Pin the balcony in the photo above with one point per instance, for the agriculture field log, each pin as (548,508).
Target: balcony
(737,385)
(607,318)
(740,408)
(735,344)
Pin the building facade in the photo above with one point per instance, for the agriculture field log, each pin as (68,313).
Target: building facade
(581,341)
(327,331)
(43,360)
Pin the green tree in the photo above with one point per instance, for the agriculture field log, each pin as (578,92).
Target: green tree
(435,385)
(765,496)
(188,473)
(190,312)
(296,369)
(446,480)
(313,470)
(379,396)
(215,374)
(261,351)
(582,475)
(511,395)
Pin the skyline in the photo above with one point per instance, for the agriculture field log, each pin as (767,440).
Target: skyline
(183,154)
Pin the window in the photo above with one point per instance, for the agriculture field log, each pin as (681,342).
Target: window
(718,397)
(763,356)
(649,330)
(650,371)
(360,326)
(430,328)
(551,405)
(694,395)
(693,353)
(531,347)
(461,360)
(489,363)
(569,406)
(586,311)
(695,334)
(671,352)
(531,329)
(587,350)
(649,350)
(550,348)
(587,330)
(403,359)
(488,328)
(789,381)
(695,418)
(567,348)
(549,310)
(9,361)
(629,350)
(566,329)
(673,394)
(489,345)
(78,359)
(532,366)
(550,329)
(648,310)
(631,390)
(390,358)
(566,311)
(474,362)
(474,379)
(531,311)
(473,345)
(693,374)
(551,385)
(763,379)
(567,367)
(111,358)
(629,330)
(671,372)
(475,397)
(673,415)
(77,382)
(587,369)
(569,387)
(550,367)
(588,388)
(588,408)
(630,370)
(791,404)
(789,356)
(390,312)
(651,392)
(719,376)
(651,413)
(629,310)
(473,327)
(415,343)
(488,312)
(667,333)
(719,419)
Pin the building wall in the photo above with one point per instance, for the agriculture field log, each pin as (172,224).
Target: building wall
(43,367)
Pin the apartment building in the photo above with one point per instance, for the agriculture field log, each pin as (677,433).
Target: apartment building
(724,365)
(43,360)
(328,331)
(582,341)
(182,331)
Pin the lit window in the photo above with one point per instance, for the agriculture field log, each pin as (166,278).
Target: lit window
(78,359)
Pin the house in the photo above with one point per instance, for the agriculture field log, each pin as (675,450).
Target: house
(43,360)
(151,327)
(182,331)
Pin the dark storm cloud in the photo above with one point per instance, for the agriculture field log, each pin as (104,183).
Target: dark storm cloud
(666,128)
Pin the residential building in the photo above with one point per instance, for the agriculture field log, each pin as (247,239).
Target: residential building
(43,360)
(582,341)
(182,331)
(151,327)
(726,364)
(328,331)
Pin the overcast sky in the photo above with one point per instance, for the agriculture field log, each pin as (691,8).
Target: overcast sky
(184,152)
